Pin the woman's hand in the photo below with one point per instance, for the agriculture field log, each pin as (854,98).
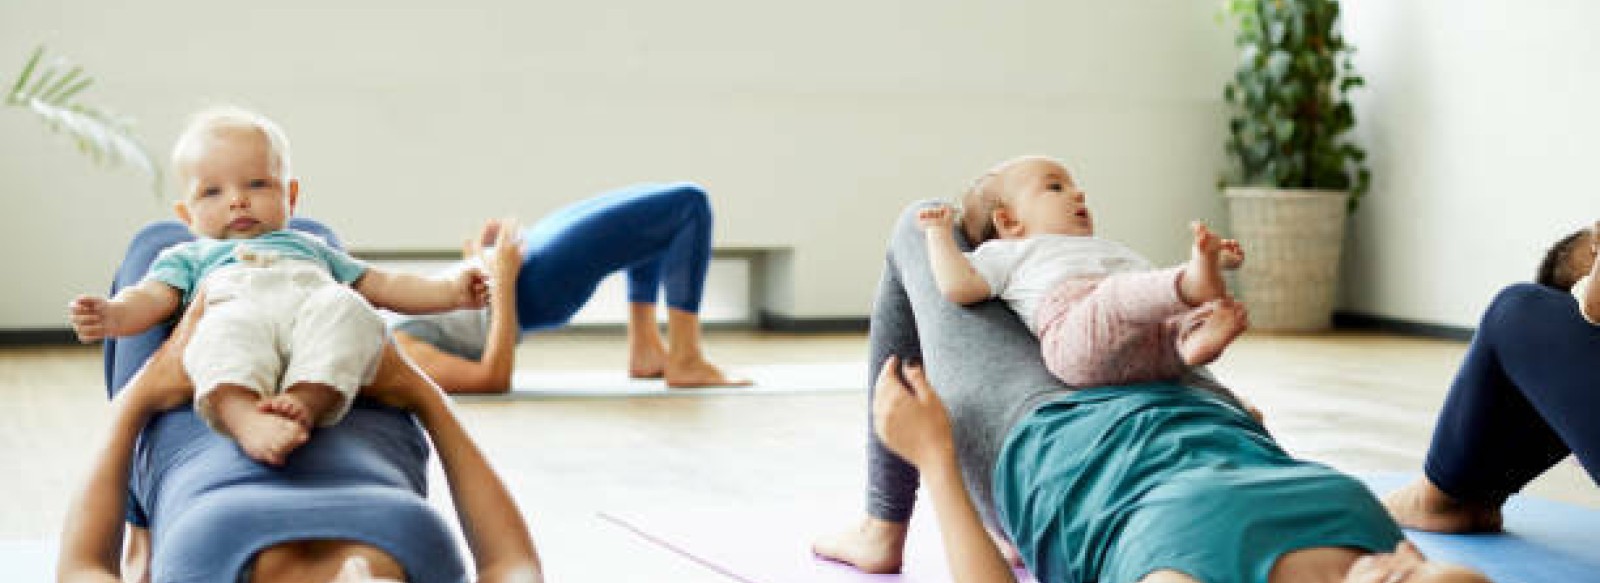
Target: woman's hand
(163,383)
(909,417)
(503,255)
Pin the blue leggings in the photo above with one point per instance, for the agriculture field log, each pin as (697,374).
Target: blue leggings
(1526,395)
(659,233)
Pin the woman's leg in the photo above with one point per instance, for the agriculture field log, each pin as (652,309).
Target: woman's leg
(662,235)
(981,358)
(876,545)
(1523,398)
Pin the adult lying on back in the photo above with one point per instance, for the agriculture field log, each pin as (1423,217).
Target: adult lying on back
(348,506)
(1159,482)
(1523,399)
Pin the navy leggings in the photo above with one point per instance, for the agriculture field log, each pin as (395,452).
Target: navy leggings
(1527,394)
(659,233)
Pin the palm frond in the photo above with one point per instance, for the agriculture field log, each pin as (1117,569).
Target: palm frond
(50,87)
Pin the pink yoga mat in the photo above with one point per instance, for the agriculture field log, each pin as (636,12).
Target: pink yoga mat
(773,545)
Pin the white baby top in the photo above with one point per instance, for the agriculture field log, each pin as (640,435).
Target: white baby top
(1023,271)
(1579,291)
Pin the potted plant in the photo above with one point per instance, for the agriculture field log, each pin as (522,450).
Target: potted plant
(1293,174)
(50,89)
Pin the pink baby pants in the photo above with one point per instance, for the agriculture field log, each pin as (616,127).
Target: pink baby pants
(1116,330)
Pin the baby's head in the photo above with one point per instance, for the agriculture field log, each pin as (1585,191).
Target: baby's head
(232,170)
(1022,197)
(1568,260)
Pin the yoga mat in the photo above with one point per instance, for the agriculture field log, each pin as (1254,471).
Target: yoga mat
(769,380)
(1544,540)
(773,545)
(28,560)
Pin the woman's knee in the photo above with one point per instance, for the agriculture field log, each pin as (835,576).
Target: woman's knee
(689,196)
(1519,302)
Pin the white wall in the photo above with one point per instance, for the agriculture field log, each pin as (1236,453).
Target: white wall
(812,123)
(1481,119)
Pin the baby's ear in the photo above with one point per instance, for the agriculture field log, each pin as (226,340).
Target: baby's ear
(294,194)
(182,210)
(1004,222)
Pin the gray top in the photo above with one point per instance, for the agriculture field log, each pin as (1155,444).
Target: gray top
(461,332)
(982,359)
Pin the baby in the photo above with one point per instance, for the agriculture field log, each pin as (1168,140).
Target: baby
(1102,315)
(284,342)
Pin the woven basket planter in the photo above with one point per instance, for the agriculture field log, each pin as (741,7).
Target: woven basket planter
(1292,239)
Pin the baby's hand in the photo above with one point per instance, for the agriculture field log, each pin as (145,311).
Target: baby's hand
(93,317)
(1232,255)
(940,217)
(472,289)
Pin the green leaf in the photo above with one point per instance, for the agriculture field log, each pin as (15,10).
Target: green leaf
(27,71)
(51,90)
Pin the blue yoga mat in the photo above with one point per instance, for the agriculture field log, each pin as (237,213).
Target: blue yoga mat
(1544,541)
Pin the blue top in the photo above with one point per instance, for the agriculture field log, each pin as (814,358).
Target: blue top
(1112,483)
(182,266)
(210,509)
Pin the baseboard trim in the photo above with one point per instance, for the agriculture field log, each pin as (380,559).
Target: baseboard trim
(38,337)
(779,323)
(1358,321)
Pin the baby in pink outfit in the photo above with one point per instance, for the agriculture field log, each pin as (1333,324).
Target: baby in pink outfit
(1103,315)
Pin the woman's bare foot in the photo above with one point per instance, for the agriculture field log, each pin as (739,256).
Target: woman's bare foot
(1225,321)
(1423,506)
(1202,281)
(874,546)
(646,360)
(268,438)
(696,372)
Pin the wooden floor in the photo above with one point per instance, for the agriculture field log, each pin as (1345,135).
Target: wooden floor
(1360,402)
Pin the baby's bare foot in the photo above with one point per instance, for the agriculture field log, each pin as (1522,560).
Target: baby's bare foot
(266,437)
(697,373)
(1225,321)
(874,546)
(1202,277)
(287,406)
(1423,506)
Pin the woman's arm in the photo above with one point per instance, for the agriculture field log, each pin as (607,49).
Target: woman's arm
(491,373)
(91,540)
(911,421)
(502,549)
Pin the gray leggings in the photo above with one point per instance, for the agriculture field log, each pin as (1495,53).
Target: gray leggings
(984,362)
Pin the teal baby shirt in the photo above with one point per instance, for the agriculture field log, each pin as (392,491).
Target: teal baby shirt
(183,266)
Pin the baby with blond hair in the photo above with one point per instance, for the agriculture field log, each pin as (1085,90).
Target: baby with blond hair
(287,336)
(1103,315)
